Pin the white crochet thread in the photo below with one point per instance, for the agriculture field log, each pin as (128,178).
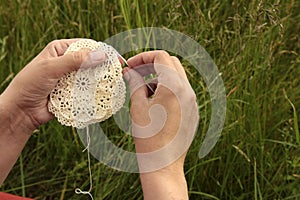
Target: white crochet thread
(78,190)
(89,95)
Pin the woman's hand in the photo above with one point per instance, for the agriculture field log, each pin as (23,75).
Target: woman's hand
(23,105)
(163,124)
(28,92)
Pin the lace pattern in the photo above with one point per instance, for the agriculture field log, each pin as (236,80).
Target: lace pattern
(89,95)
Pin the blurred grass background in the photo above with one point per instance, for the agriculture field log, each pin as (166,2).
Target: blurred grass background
(255,45)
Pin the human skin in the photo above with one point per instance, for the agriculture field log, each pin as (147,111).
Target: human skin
(23,107)
(174,93)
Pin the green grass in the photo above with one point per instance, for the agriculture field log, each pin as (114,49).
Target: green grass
(255,45)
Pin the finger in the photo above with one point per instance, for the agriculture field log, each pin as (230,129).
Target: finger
(165,69)
(145,69)
(57,47)
(138,89)
(179,67)
(57,67)
(156,57)
(94,58)
(163,65)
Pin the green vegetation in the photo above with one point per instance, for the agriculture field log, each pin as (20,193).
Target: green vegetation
(255,45)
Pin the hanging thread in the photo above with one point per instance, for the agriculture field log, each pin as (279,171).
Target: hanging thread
(88,141)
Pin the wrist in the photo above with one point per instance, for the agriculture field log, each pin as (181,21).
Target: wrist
(14,119)
(170,172)
(166,183)
(15,130)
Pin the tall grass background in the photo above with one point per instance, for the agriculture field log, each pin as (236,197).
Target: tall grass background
(255,45)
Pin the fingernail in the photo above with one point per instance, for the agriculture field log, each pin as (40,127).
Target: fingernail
(126,75)
(94,58)
(97,56)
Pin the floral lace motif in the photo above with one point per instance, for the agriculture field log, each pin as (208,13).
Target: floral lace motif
(89,95)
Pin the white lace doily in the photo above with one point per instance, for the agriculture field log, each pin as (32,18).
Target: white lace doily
(89,95)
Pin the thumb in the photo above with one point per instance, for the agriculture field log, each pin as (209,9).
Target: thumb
(59,66)
(139,108)
(137,85)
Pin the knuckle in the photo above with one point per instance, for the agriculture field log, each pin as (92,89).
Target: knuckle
(192,96)
(45,66)
(174,58)
(53,43)
(185,91)
(163,53)
(77,58)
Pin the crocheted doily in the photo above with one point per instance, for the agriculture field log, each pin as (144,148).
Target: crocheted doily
(92,94)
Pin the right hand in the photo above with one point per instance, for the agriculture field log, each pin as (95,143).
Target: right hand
(164,125)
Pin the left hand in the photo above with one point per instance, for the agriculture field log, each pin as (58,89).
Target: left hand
(29,90)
